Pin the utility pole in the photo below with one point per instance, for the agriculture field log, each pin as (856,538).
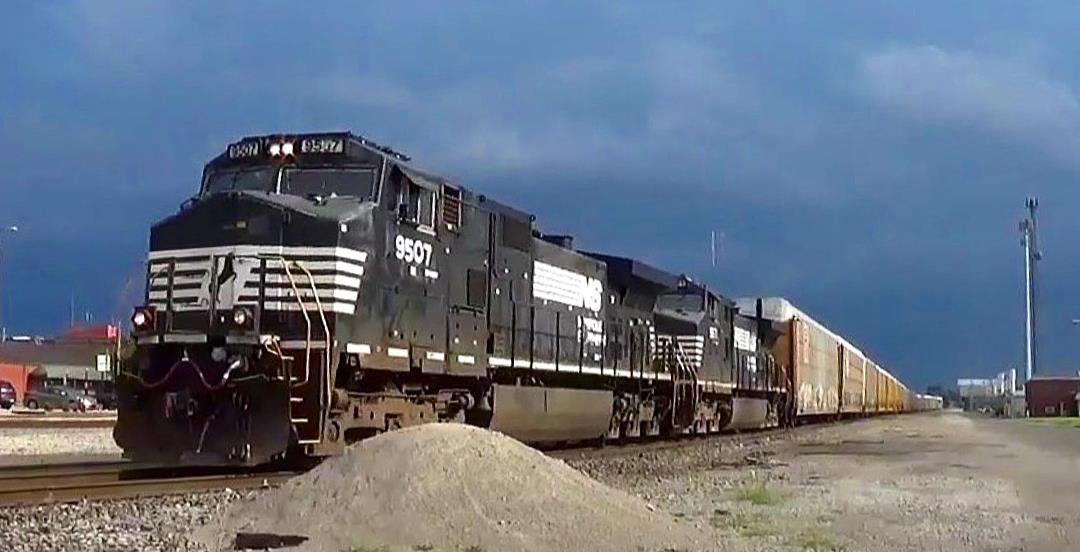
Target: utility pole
(3,329)
(1032,256)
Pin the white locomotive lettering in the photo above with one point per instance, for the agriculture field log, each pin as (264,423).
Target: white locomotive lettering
(591,330)
(412,251)
(243,149)
(565,286)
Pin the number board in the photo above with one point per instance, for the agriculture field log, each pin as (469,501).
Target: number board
(243,149)
(322,145)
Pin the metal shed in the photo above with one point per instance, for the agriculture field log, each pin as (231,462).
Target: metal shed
(1052,396)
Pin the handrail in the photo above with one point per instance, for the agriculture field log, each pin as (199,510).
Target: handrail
(681,368)
(326,329)
(307,320)
(680,355)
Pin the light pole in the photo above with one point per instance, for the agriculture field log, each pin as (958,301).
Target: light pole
(3,231)
(1076,323)
(1032,256)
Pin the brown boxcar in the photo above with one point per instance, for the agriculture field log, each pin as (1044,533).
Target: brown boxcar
(873,374)
(829,375)
(817,358)
(853,388)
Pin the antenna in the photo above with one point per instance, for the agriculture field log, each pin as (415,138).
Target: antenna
(716,246)
(1032,255)
(712,247)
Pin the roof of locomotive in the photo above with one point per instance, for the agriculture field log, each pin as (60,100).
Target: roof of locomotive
(629,271)
(359,148)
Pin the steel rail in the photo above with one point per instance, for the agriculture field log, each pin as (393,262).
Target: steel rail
(43,422)
(52,483)
(643,445)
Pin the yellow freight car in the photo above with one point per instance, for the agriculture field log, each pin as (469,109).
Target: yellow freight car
(828,375)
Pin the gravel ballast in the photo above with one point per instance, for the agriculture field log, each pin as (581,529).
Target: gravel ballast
(145,524)
(45,441)
(909,483)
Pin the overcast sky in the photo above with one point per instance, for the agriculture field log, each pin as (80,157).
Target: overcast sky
(867,160)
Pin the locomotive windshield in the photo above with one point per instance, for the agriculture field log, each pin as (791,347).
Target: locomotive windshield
(305,182)
(235,180)
(686,302)
(358,183)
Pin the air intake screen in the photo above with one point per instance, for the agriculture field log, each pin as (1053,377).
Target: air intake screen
(451,209)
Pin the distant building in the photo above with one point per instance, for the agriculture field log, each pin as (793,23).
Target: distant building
(18,375)
(1053,396)
(998,394)
(83,358)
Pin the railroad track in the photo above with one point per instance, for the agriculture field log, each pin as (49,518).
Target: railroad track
(50,483)
(654,444)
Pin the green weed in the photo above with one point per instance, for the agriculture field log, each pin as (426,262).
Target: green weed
(813,539)
(1063,421)
(758,492)
(743,523)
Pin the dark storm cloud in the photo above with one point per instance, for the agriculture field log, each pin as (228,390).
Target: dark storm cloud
(1008,97)
(868,161)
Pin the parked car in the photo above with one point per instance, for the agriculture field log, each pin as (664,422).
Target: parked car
(62,398)
(7,394)
(106,400)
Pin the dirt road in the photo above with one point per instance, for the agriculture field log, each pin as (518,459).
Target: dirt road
(941,481)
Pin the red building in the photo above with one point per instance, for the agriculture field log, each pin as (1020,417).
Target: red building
(1052,396)
(18,375)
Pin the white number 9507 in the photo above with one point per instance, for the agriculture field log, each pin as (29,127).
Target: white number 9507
(412,251)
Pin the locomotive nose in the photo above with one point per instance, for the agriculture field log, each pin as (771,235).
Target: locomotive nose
(244,218)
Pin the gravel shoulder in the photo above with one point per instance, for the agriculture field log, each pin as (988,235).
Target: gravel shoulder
(938,481)
(941,481)
(54,441)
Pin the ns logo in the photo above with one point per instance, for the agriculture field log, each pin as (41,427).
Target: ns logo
(592,294)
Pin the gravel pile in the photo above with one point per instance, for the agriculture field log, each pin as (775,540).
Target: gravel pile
(39,441)
(452,486)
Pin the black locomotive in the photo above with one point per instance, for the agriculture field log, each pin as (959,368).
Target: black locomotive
(320,289)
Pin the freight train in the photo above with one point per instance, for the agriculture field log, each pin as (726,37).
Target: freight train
(320,289)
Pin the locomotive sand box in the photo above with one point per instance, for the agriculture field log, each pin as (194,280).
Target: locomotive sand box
(319,289)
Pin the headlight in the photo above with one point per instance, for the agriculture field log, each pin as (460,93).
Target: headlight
(241,317)
(142,318)
(282,149)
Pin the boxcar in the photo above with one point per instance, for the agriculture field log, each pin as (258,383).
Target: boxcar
(829,375)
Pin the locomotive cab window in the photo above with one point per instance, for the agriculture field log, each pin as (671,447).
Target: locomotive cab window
(684,301)
(714,306)
(260,179)
(416,204)
(358,183)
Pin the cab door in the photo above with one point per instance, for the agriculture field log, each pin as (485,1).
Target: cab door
(416,263)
